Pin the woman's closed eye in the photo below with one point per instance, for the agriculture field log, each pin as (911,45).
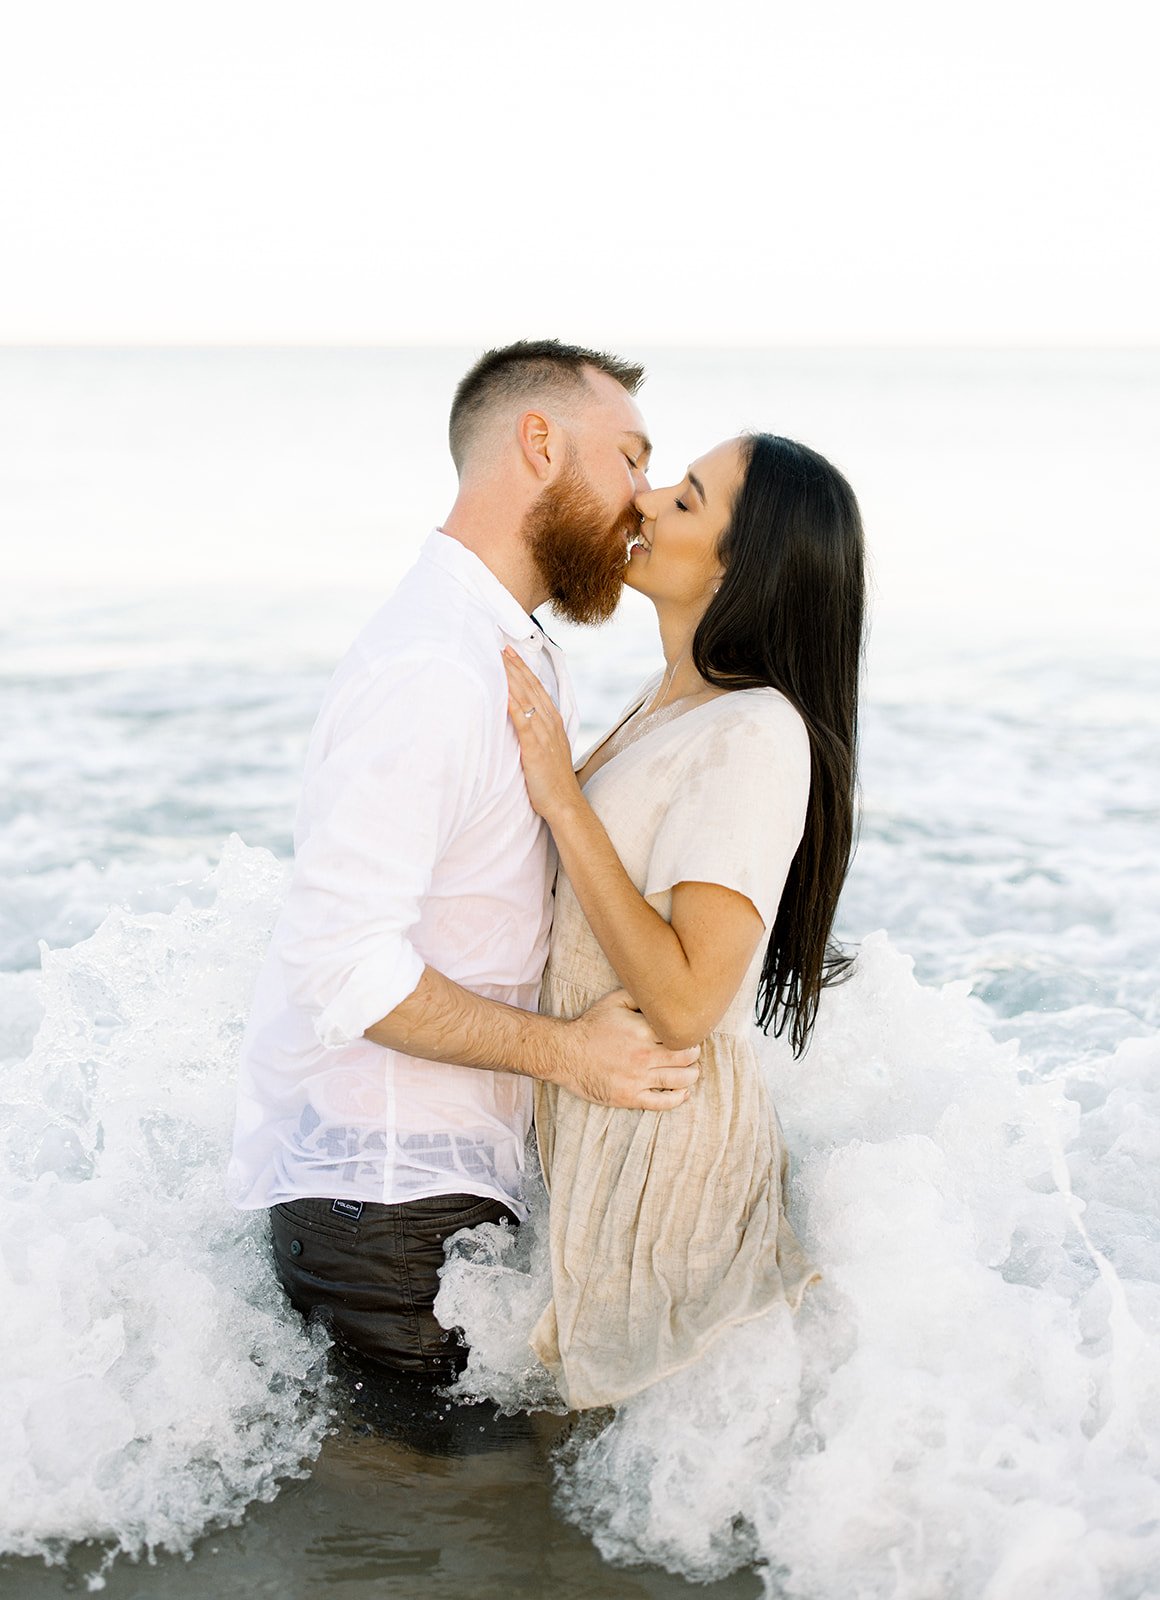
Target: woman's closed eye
(680,505)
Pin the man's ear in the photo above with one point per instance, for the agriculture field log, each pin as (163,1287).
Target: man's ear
(534,433)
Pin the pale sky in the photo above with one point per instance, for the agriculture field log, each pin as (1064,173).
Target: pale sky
(362,171)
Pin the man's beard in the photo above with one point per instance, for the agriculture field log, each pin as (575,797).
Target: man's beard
(579,553)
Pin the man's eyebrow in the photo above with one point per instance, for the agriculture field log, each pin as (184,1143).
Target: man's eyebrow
(644,445)
(699,486)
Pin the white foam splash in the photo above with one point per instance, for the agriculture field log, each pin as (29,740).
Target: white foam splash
(153,1381)
(969,1405)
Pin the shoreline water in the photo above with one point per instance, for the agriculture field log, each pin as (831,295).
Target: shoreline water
(349,1531)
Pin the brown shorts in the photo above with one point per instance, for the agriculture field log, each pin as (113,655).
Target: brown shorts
(373,1277)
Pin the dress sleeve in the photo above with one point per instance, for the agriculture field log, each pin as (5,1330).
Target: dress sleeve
(736,808)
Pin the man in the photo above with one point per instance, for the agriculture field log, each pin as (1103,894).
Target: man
(387,1071)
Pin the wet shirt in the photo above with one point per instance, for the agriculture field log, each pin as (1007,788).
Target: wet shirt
(415,845)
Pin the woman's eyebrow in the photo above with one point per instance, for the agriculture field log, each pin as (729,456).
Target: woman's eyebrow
(699,486)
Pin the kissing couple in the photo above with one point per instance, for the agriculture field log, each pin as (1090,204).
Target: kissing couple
(482,932)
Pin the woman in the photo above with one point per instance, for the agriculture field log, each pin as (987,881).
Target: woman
(703,844)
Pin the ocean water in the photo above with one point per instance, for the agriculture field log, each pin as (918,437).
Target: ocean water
(969,1404)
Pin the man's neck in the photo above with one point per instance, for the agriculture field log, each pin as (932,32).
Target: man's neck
(498,543)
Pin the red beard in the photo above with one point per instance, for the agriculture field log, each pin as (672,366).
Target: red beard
(579,553)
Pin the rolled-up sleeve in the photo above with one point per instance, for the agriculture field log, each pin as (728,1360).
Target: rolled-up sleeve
(390,788)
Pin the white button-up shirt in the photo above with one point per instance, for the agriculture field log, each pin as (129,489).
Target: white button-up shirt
(415,845)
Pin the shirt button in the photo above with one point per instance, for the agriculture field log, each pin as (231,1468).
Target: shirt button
(296,1247)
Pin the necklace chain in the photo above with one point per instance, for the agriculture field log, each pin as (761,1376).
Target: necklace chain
(643,720)
(667,685)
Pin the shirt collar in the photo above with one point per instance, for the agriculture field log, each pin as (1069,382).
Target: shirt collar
(466,568)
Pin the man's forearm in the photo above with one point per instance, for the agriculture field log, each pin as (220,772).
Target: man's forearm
(608,1054)
(440,1021)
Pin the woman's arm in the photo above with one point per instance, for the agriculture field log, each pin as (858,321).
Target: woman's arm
(684,974)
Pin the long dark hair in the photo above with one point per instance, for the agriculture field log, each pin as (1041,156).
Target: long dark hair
(789,614)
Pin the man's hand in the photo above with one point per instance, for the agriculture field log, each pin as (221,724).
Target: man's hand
(608,1055)
(612,1057)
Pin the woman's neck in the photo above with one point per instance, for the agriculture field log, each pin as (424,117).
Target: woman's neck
(680,678)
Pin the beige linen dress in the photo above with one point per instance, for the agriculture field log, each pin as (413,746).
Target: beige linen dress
(668,1227)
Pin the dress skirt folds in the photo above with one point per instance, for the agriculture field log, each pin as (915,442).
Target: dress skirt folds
(669,1227)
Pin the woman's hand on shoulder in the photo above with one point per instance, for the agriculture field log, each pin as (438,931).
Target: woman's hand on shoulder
(544,748)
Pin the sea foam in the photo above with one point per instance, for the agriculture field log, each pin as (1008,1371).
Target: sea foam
(969,1403)
(154,1382)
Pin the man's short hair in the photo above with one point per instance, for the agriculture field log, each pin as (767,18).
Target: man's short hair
(532,369)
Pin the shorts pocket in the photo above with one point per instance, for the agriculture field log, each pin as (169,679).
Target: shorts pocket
(449,1207)
(444,1205)
(315,1216)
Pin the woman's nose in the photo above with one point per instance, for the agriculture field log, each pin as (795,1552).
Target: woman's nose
(643,500)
